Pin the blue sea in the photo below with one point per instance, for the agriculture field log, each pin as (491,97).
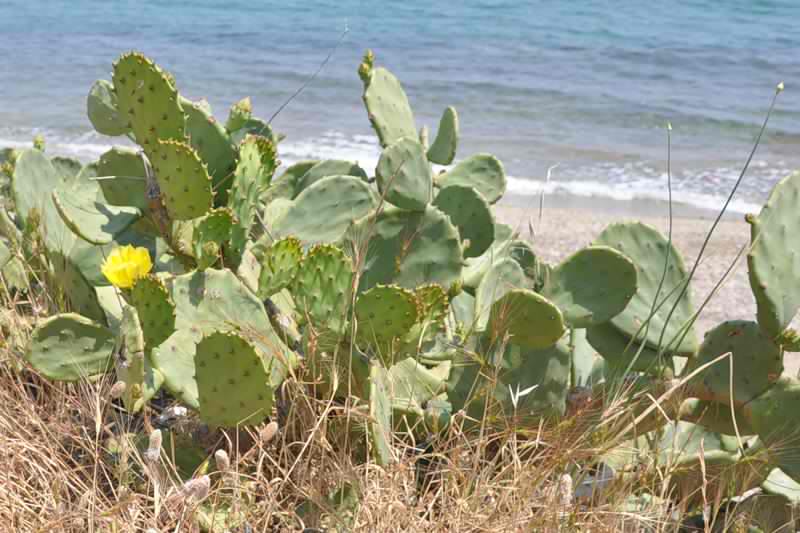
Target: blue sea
(588,85)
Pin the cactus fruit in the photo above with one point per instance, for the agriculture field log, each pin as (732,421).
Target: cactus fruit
(443,149)
(280,263)
(387,105)
(407,248)
(141,380)
(757,363)
(322,287)
(232,384)
(123,178)
(148,101)
(501,278)
(471,214)
(155,309)
(103,110)
(380,415)
(649,251)
(213,229)
(183,180)
(385,313)
(257,163)
(592,286)
(404,175)
(531,320)
(90,220)
(774,261)
(70,347)
(211,142)
(322,212)
(484,172)
(324,169)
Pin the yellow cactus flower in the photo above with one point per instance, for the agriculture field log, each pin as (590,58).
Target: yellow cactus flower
(125,265)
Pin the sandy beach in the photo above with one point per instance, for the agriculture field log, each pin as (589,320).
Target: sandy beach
(569,223)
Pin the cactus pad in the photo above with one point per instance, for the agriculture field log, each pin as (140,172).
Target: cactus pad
(714,416)
(385,313)
(404,175)
(612,345)
(387,106)
(142,381)
(183,179)
(67,167)
(174,359)
(501,278)
(280,263)
(155,309)
(92,221)
(232,383)
(123,182)
(471,214)
(774,260)
(757,363)
(211,233)
(484,172)
(212,143)
(649,250)
(70,347)
(239,114)
(103,110)
(408,248)
(531,320)
(322,212)
(323,169)
(322,287)
(592,286)
(287,184)
(443,149)
(433,304)
(380,415)
(148,100)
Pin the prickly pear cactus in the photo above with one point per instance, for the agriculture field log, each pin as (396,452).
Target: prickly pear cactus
(122,178)
(443,149)
(483,172)
(387,104)
(280,263)
(774,260)
(385,313)
(619,352)
(380,419)
(471,214)
(592,286)
(212,233)
(103,110)
(232,384)
(94,222)
(501,278)
(142,381)
(70,347)
(322,287)
(175,360)
(531,320)
(404,175)
(324,169)
(183,179)
(155,309)
(212,143)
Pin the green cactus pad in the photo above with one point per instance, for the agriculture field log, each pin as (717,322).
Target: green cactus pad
(433,304)
(443,149)
(70,347)
(322,287)
(148,100)
(536,271)
(437,415)
(324,211)
(404,175)
(174,359)
(774,260)
(592,286)
(484,172)
(408,248)
(232,384)
(280,263)
(91,220)
(212,143)
(385,313)
(411,385)
(612,345)
(588,368)
(324,169)
(471,214)
(103,110)
(757,363)
(183,179)
(380,415)
(531,320)
(476,267)
(714,416)
(648,250)
(67,167)
(387,107)
(155,308)
(211,234)
(257,163)
(501,278)
(142,381)
(239,114)
(287,184)
(776,420)
(123,178)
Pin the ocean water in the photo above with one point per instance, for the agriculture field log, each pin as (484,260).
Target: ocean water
(586,85)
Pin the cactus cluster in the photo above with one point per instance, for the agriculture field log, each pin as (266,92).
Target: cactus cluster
(399,291)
